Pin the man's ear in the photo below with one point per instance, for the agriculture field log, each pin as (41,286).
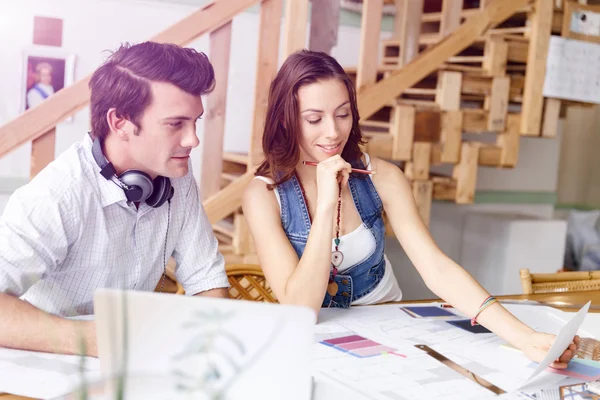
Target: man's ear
(120,126)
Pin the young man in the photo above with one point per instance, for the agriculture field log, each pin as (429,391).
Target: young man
(111,210)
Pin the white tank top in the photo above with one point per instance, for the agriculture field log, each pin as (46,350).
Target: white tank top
(357,246)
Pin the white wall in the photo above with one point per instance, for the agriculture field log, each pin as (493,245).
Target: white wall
(97,26)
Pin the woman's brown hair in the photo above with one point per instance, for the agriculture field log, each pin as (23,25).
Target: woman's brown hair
(282,125)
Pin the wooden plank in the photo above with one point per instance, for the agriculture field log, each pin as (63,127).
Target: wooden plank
(490,155)
(465,173)
(496,56)
(418,168)
(444,189)
(214,123)
(423,193)
(383,92)
(380,146)
(42,152)
(475,121)
(509,141)
(267,64)
(451,15)
(402,130)
(410,29)
(551,117)
(535,74)
(451,136)
(517,51)
(428,125)
(498,103)
(38,120)
(366,73)
(325,16)
(294,30)
(448,90)
(227,200)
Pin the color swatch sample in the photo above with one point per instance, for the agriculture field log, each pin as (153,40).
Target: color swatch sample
(466,325)
(359,346)
(427,312)
(580,369)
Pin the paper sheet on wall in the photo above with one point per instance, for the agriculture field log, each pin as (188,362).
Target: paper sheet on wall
(573,70)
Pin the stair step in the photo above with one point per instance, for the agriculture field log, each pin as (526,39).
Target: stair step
(231,176)
(225,228)
(239,158)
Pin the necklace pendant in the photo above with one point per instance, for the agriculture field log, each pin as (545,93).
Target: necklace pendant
(337,257)
(332,288)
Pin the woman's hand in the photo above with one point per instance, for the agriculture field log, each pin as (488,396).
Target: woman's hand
(329,173)
(538,344)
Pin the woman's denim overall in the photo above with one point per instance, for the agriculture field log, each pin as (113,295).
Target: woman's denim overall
(360,279)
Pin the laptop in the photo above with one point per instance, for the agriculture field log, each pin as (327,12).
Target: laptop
(203,347)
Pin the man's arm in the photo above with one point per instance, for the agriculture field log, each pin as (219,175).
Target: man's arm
(34,238)
(22,326)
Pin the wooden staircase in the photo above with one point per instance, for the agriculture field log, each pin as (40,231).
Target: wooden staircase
(451,67)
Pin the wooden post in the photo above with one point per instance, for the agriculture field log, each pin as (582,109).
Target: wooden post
(368,58)
(465,173)
(495,55)
(498,101)
(325,20)
(214,125)
(296,21)
(533,100)
(451,13)
(242,239)
(448,98)
(407,28)
(418,168)
(268,55)
(551,117)
(509,141)
(42,152)
(402,130)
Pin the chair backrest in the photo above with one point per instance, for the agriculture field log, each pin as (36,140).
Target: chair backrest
(559,282)
(248,283)
(168,282)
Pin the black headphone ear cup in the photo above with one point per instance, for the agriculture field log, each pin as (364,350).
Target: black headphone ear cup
(163,191)
(139,183)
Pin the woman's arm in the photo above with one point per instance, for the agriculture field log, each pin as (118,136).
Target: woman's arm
(294,281)
(443,276)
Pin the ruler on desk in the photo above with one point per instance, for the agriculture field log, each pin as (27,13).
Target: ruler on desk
(461,370)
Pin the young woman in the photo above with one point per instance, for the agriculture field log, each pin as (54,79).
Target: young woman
(318,227)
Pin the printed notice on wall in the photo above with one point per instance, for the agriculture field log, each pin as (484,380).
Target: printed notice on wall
(573,70)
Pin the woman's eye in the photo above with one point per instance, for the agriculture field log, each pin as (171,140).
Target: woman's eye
(175,124)
(343,116)
(314,121)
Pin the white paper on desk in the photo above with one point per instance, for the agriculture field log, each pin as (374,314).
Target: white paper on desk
(42,375)
(563,339)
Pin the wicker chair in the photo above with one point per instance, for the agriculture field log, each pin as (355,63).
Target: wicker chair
(248,283)
(559,282)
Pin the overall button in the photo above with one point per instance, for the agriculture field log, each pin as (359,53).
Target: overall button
(344,281)
(345,294)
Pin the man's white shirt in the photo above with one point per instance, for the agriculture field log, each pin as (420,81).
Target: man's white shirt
(70,231)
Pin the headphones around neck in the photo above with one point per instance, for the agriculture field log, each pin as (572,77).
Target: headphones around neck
(137,185)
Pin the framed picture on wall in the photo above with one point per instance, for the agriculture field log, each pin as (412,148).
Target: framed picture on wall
(45,72)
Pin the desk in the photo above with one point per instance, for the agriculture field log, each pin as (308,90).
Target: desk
(574,298)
